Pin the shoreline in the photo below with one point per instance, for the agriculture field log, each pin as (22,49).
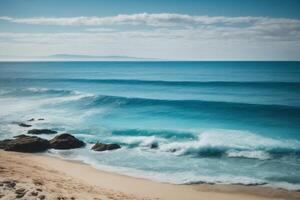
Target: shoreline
(69,178)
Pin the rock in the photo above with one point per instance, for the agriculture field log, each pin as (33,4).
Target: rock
(34,193)
(105,147)
(66,141)
(24,125)
(20,195)
(30,120)
(9,183)
(42,197)
(24,143)
(172,150)
(3,143)
(21,136)
(41,119)
(20,192)
(154,146)
(41,131)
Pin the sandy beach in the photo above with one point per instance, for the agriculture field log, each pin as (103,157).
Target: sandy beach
(34,176)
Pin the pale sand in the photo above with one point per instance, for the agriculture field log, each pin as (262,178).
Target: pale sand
(60,179)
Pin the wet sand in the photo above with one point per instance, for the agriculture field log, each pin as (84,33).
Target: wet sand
(38,176)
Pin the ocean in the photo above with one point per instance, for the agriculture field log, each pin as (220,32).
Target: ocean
(177,122)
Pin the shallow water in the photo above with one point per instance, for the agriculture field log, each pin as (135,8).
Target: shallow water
(216,122)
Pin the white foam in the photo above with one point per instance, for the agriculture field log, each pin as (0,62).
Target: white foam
(142,141)
(261,155)
(248,144)
(33,103)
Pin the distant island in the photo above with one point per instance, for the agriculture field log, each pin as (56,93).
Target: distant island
(94,57)
(75,57)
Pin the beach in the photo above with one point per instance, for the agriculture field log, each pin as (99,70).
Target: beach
(56,178)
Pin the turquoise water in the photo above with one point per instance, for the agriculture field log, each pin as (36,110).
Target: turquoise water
(215,122)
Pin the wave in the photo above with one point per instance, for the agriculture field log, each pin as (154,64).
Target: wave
(95,100)
(252,84)
(50,91)
(180,178)
(35,99)
(214,143)
(235,143)
(167,134)
(216,110)
(38,91)
(196,105)
(256,154)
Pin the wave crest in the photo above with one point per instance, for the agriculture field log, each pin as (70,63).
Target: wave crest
(216,143)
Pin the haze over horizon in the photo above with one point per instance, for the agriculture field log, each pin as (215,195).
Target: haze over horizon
(168,30)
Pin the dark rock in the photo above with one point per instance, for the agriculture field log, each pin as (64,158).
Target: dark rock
(24,143)
(21,136)
(42,197)
(32,119)
(3,143)
(105,147)
(20,195)
(41,119)
(154,146)
(24,125)
(20,192)
(41,131)
(34,193)
(9,183)
(172,150)
(66,141)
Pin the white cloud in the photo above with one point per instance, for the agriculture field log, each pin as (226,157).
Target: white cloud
(170,36)
(160,19)
(100,30)
(218,27)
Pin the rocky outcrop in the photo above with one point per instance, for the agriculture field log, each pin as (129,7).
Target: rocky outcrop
(24,125)
(31,144)
(105,147)
(41,131)
(66,141)
(24,143)
(3,143)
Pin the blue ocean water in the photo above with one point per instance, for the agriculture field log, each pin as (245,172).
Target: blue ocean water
(215,122)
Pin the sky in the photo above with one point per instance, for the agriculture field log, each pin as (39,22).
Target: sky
(162,29)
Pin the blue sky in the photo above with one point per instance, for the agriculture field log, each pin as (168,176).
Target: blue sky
(166,29)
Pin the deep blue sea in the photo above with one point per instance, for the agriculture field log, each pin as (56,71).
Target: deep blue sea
(214,122)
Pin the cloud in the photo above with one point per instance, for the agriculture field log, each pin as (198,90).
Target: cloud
(207,26)
(100,30)
(166,36)
(160,19)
